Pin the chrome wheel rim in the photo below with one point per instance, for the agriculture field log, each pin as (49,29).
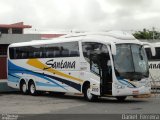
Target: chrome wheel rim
(24,88)
(89,95)
(32,89)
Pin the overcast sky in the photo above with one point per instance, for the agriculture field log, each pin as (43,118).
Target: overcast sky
(82,14)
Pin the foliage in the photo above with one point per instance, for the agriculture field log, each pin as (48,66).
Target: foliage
(147,34)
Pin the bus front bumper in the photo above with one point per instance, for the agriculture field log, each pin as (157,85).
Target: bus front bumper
(131,91)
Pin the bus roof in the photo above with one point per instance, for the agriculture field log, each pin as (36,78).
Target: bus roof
(114,34)
(155,44)
(116,37)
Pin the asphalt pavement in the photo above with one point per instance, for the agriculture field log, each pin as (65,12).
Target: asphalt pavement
(46,105)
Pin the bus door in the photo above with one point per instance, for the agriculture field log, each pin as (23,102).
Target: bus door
(101,63)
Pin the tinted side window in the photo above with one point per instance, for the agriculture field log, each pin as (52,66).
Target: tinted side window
(12,53)
(52,50)
(93,48)
(36,51)
(149,54)
(157,57)
(15,53)
(19,52)
(97,55)
(27,52)
(23,52)
(68,49)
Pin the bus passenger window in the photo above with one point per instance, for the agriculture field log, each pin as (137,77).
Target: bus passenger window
(30,55)
(57,53)
(51,50)
(24,55)
(65,53)
(74,53)
(36,54)
(12,53)
(149,54)
(68,49)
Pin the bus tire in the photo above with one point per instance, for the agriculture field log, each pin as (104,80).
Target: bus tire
(87,94)
(23,87)
(32,88)
(121,98)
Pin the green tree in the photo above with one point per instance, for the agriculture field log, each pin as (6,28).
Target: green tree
(147,34)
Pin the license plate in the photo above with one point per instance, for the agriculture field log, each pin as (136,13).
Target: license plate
(135,92)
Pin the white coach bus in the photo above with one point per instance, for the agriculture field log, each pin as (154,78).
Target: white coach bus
(95,64)
(154,64)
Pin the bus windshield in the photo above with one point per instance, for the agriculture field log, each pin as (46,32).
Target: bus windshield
(131,62)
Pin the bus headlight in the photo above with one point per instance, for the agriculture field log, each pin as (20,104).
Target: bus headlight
(118,86)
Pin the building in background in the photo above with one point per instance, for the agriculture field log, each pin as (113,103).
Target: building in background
(12,33)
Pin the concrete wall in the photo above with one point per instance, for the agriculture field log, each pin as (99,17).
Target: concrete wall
(12,38)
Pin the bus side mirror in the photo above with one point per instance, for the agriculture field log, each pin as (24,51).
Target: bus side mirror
(113,49)
(153,50)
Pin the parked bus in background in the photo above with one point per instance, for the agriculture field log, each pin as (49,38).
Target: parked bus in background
(95,64)
(154,64)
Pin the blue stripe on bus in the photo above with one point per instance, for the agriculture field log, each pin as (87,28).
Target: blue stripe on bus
(125,82)
(11,78)
(16,69)
(70,83)
(14,75)
(46,84)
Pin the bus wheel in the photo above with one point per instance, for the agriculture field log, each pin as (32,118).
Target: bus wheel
(32,88)
(87,94)
(23,87)
(121,98)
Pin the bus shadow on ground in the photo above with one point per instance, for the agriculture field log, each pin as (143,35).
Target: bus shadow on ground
(80,98)
(99,100)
